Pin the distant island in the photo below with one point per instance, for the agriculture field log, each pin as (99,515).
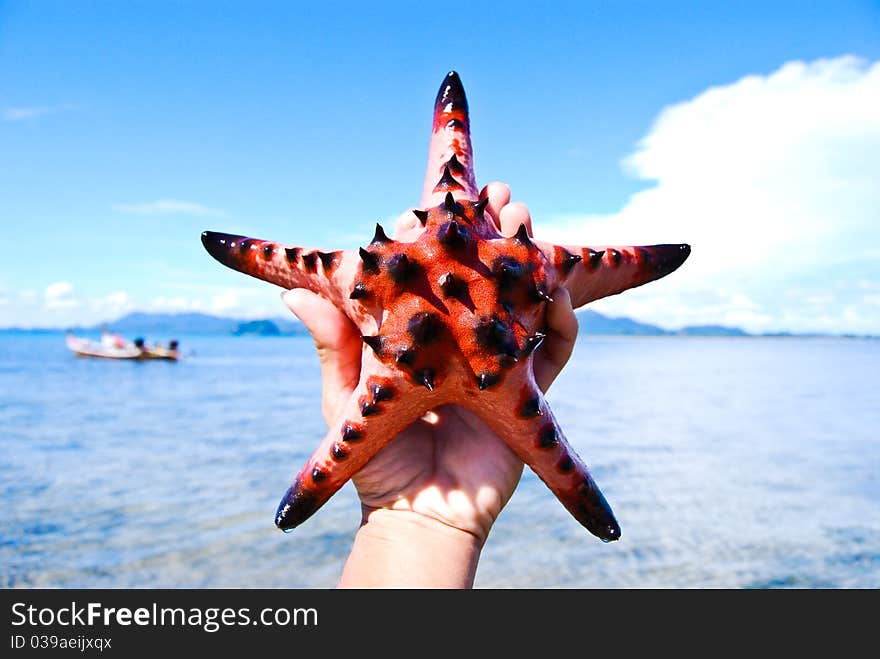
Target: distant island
(596,324)
(164,326)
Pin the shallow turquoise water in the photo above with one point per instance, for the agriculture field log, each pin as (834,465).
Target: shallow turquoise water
(728,462)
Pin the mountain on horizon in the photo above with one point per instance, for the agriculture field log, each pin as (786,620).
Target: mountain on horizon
(168,325)
(594,323)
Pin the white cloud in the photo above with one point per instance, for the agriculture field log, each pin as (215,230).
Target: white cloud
(118,299)
(225,302)
(168,207)
(233,301)
(59,295)
(112,304)
(174,304)
(774,182)
(58,290)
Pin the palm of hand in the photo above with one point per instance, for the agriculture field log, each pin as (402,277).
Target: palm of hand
(455,470)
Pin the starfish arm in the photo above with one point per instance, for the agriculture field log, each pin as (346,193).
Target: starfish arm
(378,410)
(529,428)
(591,273)
(327,273)
(450,154)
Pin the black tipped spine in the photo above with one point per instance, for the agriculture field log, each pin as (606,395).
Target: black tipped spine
(422,215)
(565,464)
(532,343)
(328,260)
(292,254)
(452,286)
(453,236)
(449,203)
(454,165)
(379,238)
(423,328)
(405,357)
(358,292)
(548,437)
(369,409)
(380,393)
(447,182)
(370,262)
(522,236)
(496,336)
(426,378)
(486,380)
(541,295)
(310,262)
(508,271)
(531,407)
(375,342)
(568,261)
(401,268)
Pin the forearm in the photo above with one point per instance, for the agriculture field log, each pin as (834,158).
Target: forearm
(403,549)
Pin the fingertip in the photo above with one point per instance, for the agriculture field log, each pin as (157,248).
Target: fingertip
(320,316)
(495,188)
(512,216)
(405,222)
(498,195)
(293,298)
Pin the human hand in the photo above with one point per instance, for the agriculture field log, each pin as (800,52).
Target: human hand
(448,468)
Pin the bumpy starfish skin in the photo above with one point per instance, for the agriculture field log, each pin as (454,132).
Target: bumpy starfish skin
(452,315)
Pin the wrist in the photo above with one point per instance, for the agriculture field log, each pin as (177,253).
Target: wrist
(406,549)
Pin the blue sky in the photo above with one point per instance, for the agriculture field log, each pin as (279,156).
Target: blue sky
(128,128)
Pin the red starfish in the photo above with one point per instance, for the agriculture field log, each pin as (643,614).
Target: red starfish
(450,317)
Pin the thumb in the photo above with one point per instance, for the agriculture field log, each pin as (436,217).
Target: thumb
(337,342)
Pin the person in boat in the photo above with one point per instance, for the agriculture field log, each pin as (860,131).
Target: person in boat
(109,340)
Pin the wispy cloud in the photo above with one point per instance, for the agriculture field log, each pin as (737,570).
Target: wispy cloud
(24,113)
(168,207)
(773,181)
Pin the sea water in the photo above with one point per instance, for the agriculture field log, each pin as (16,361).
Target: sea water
(729,462)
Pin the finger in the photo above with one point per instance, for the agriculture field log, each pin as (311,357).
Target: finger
(338,344)
(499,196)
(512,216)
(406,225)
(562,332)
